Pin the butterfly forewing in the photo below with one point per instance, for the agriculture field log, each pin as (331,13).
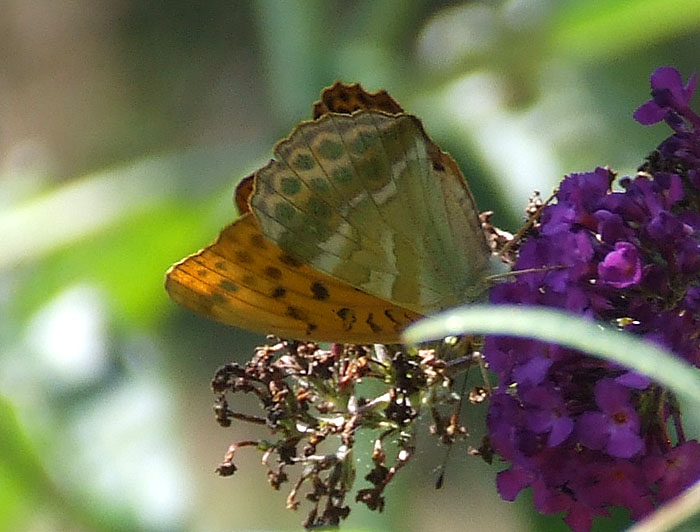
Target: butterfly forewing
(346,99)
(245,280)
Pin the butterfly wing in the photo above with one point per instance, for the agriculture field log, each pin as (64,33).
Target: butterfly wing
(368,199)
(347,98)
(245,280)
(359,212)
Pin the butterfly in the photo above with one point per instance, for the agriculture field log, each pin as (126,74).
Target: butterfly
(359,226)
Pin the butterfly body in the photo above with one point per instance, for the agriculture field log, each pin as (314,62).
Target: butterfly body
(358,226)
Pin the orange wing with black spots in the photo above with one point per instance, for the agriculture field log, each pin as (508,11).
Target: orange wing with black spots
(245,280)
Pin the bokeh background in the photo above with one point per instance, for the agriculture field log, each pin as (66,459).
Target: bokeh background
(124,127)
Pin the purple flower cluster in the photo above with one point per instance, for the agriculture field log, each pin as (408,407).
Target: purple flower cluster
(586,434)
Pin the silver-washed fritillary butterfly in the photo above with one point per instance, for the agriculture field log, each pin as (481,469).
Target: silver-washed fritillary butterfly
(359,226)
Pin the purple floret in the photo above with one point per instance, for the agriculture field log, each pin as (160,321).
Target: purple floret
(622,267)
(585,434)
(669,96)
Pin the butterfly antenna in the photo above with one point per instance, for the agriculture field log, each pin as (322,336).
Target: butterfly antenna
(532,219)
(513,273)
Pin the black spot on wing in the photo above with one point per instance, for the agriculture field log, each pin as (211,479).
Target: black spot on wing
(319,291)
(437,165)
(227,285)
(257,241)
(372,325)
(348,317)
(391,318)
(297,313)
(279,292)
(218,298)
(273,273)
(290,261)
(243,256)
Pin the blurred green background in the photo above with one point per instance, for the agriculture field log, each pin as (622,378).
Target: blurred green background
(124,127)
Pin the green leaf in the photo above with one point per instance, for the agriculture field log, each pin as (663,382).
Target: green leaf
(567,330)
(600,29)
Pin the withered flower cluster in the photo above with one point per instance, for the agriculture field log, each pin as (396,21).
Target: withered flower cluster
(315,402)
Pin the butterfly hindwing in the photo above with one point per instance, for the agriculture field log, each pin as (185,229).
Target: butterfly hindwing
(403,225)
